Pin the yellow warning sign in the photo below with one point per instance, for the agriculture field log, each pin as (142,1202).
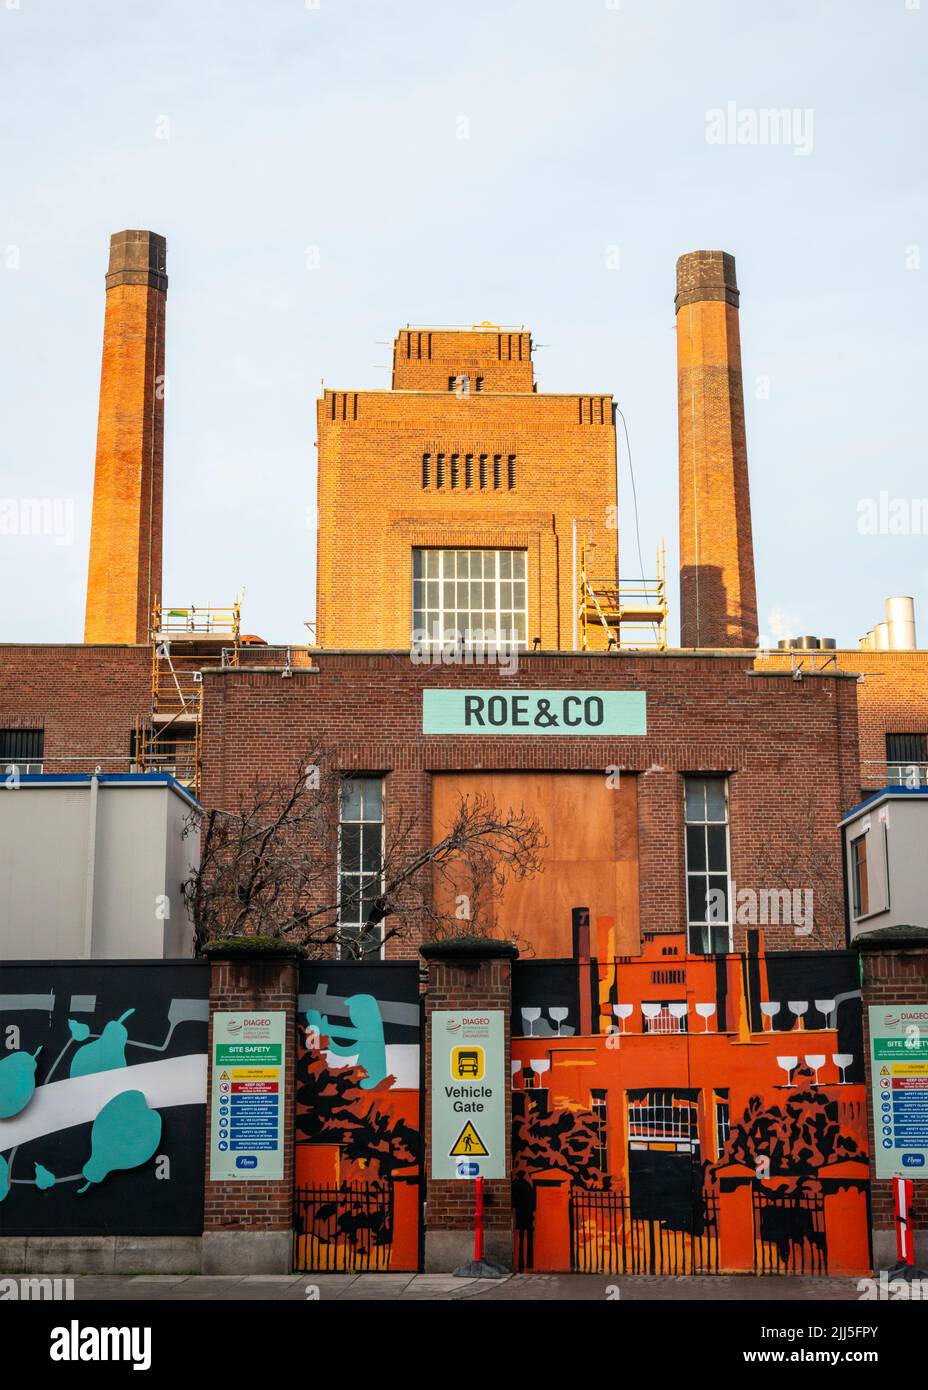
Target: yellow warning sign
(469,1144)
(223,1076)
(468,1063)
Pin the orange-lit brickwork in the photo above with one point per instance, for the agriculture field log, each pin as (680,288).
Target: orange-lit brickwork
(464,453)
(124,573)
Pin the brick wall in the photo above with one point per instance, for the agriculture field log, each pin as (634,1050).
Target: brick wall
(124,574)
(374,509)
(718,600)
(892,697)
(254,986)
(86,699)
(790,749)
(478,984)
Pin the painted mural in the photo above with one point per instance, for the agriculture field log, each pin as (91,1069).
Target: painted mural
(358,1127)
(102,1098)
(686,1114)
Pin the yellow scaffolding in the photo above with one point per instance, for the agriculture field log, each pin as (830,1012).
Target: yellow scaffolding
(632,614)
(183,641)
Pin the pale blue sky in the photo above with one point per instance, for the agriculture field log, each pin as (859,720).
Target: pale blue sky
(337,127)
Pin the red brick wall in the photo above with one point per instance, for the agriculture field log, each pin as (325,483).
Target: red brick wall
(480,985)
(790,748)
(891,977)
(892,697)
(85,698)
(254,985)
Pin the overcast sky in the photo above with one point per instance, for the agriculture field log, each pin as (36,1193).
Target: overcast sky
(327,172)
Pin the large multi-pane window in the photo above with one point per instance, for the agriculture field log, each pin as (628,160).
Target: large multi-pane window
(360,858)
(708,906)
(474,597)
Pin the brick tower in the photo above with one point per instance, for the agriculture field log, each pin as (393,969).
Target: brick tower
(460,499)
(718,599)
(124,574)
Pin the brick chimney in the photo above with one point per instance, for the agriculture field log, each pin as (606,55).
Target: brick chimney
(124,574)
(718,599)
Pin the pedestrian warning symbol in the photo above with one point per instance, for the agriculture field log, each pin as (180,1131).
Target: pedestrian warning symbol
(469,1144)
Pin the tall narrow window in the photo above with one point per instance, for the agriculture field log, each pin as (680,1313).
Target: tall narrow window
(440,470)
(483,471)
(497,471)
(511,471)
(454,470)
(426,469)
(468,470)
(360,860)
(474,597)
(859,876)
(598,1105)
(708,910)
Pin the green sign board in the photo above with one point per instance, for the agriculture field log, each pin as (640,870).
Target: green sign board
(247,1111)
(468,1094)
(899,1079)
(563,713)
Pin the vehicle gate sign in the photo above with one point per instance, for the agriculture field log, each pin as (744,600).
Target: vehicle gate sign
(468,1094)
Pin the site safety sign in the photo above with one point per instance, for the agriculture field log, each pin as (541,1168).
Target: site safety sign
(247,1111)
(899,1076)
(468,1094)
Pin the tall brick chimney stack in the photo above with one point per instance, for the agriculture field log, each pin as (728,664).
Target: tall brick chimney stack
(718,599)
(124,575)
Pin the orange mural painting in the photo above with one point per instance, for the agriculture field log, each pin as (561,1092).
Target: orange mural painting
(685,1114)
(357,1156)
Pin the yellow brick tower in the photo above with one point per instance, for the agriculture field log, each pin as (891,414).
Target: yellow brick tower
(124,574)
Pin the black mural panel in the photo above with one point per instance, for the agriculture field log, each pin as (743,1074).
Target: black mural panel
(102,1097)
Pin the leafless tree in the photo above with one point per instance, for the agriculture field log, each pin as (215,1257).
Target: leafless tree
(271,868)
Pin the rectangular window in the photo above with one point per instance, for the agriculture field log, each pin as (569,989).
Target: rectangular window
(598,1105)
(859,881)
(23,749)
(474,597)
(722,1122)
(360,859)
(708,910)
(907,759)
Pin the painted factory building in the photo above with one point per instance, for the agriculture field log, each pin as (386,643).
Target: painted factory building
(684,1006)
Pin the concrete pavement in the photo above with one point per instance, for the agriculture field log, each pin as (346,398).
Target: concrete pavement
(445,1288)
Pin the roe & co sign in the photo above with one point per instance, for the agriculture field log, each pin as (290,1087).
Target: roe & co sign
(603,713)
(468,1094)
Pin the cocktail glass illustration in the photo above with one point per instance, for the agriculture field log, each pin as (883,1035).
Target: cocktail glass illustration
(530,1017)
(826,1007)
(705,1011)
(787,1063)
(651,1012)
(842,1061)
(540,1065)
(558,1012)
(798,1007)
(677,1011)
(815,1060)
(770,1008)
(623,1011)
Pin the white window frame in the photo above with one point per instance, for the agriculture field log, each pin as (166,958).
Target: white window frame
(359,873)
(706,873)
(424,630)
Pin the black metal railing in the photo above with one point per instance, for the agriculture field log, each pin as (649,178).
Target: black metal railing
(346,1227)
(789,1232)
(606,1238)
